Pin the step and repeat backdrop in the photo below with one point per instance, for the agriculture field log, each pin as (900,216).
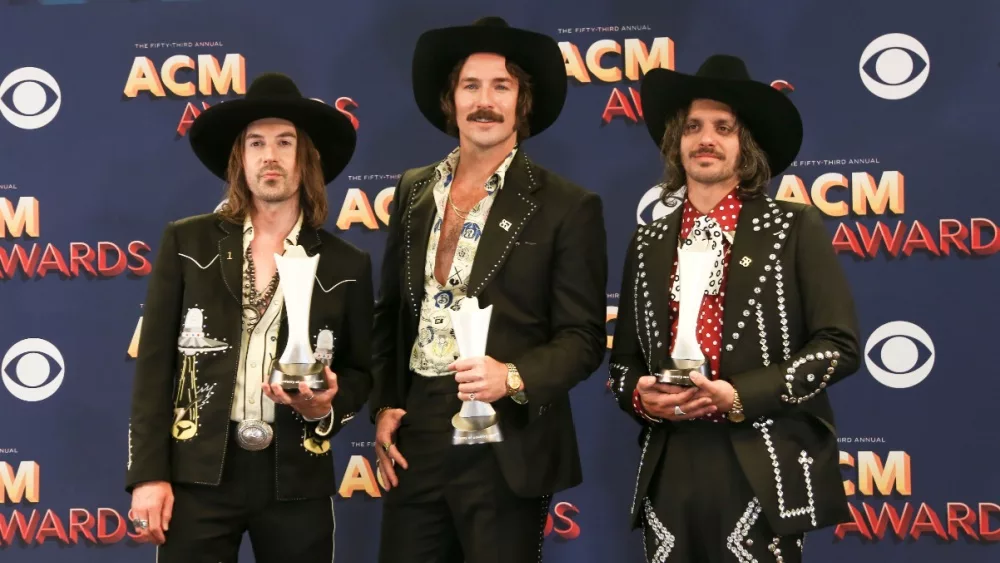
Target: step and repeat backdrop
(902,122)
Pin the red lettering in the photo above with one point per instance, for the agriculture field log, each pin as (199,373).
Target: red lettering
(844,240)
(886,515)
(927,521)
(51,527)
(81,522)
(563,511)
(24,529)
(953,232)
(921,238)
(978,225)
(985,508)
(81,254)
(144,267)
(618,106)
(873,240)
(636,100)
(187,118)
(342,105)
(966,521)
(857,525)
(52,259)
(103,248)
(103,536)
(9,262)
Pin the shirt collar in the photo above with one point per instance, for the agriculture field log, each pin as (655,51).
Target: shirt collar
(446,170)
(291,240)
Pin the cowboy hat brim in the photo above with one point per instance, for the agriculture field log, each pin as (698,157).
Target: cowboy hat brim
(772,118)
(217,128)
(439,50)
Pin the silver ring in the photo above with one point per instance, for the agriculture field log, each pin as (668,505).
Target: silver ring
(310,397)
(472,396)
(678,411)
(140,524)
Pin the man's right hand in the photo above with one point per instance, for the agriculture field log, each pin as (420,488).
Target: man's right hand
(659,400)
(154,503)
(386,453)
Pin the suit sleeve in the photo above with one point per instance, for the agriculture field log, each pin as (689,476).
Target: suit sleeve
(578,308)
(353,361)
(627,363)
(832,350)
(152,389)
(385,334)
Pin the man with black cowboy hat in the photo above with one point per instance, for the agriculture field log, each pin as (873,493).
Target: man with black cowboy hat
(741,460)
(485,223)
(214,449)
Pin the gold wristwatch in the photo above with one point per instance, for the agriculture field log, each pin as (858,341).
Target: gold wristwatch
(515,385)
(735,414)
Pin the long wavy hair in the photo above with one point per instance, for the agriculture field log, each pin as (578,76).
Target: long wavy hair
(312,189)
(751,166)
(524,99)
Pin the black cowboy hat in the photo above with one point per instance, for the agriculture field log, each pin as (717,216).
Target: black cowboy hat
(771,117)
(439,50)
(273,95)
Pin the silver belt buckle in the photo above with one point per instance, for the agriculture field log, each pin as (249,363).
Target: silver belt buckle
(254,435)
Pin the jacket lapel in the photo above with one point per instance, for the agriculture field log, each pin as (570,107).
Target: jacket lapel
(231,257)
(656,248)
(511,211)
(420,212)
(760,237)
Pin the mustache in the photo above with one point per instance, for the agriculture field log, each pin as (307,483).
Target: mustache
(485,114)
(707,152)
(277,169)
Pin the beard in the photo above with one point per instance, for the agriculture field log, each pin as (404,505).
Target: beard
(718,172)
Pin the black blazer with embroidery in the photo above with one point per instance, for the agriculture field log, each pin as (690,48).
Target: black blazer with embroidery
(199,265)
(542,264)
(789,332)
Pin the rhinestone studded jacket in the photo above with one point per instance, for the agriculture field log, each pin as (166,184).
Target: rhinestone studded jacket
(789,333)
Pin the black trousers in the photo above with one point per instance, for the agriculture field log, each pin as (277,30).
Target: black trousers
(208,522)
(453,504)
(701,509)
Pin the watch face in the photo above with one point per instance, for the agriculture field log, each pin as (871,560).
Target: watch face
(736,416)
(514,381)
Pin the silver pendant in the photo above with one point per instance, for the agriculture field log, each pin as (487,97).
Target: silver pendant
(254,435)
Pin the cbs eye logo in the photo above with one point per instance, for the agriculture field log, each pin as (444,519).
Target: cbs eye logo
(899,354)
(29,98)
(28,368)
(652,208)
(894,66)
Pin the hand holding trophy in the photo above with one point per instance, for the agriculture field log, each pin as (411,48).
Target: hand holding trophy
(476,423)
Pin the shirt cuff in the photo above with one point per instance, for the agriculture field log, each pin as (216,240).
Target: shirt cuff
(325,424)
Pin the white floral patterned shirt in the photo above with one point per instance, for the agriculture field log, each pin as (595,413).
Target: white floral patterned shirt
(435,347)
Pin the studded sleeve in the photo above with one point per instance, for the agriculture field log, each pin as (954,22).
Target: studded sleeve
(386,314)
(626,364)
(155,369)
(831,351)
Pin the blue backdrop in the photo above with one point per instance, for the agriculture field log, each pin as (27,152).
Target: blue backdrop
(901,115)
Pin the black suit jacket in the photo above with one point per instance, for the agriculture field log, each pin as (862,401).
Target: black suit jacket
(542,264)
(789,332)
(200,265)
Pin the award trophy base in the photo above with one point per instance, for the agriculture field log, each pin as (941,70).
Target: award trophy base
(476,423)
(290,375)
(676,372)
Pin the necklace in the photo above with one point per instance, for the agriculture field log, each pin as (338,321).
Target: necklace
(459,212)
(258,301)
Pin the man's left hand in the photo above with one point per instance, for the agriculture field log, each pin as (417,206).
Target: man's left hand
(310,404)
(720,392)
(480,379)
